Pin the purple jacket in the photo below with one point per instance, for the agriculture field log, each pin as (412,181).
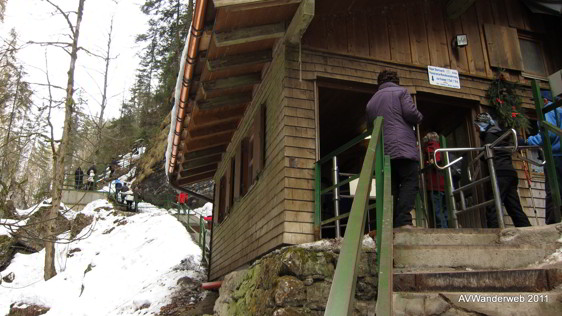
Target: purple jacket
(395,104)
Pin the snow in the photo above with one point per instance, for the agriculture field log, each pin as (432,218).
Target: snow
(119,265)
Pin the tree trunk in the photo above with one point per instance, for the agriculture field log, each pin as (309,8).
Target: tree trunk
(58,170)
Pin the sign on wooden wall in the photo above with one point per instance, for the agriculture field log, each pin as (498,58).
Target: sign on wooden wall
(443,77)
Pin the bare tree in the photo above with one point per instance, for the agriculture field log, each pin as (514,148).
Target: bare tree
(2,9)
(59,156)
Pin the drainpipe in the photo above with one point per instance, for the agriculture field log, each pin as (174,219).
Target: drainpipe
(189,68)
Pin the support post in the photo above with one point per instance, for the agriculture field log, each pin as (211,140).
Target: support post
(494,181)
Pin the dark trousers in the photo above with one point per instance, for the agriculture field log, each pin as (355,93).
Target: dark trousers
(549,203)
(404,177)
(507,183)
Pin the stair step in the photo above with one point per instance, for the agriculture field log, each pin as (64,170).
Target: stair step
(520,280)
(477,303)
(447,236)
(472,256)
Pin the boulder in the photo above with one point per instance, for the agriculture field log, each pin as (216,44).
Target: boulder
(22,309)
(9,278)
(79,222)
(34,233)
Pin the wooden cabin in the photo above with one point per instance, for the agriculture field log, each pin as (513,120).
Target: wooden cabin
(271,86)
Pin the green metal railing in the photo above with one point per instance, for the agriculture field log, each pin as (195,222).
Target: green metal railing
(201,234)
(546,127)
(342,293)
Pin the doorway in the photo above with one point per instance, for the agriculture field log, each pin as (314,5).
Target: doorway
(452,118)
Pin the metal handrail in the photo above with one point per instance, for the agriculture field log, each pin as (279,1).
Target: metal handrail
(342,292)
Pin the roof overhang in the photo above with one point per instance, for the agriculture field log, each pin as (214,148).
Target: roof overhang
(229,47)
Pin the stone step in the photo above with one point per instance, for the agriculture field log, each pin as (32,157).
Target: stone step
(521,280)
(447,236)
(477,303)
(481,257)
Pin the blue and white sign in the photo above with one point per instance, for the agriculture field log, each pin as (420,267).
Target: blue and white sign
(444,77)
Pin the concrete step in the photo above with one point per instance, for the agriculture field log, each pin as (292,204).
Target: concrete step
(447,236)
(520,280)
(482,257)
(478,303)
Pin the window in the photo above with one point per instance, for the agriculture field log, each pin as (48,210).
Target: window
(533,56)
(222,199)
(232,179)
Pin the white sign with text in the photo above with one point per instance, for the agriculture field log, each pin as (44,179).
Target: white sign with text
(443,77)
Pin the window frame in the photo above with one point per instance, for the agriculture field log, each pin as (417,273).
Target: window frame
(540,42)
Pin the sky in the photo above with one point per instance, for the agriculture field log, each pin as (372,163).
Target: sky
(34,20)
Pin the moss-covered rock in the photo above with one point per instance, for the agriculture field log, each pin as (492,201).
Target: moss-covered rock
(290,281)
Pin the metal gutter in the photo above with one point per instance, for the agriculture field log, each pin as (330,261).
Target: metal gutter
(189,68)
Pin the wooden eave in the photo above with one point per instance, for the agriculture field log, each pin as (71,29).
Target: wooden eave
(236,47)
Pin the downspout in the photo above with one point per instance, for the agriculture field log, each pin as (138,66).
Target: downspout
(189,68)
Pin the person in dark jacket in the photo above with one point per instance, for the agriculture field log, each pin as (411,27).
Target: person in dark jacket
(505,174)
(395,104)
(79,178)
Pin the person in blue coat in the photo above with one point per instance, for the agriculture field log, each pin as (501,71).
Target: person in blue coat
(553,117)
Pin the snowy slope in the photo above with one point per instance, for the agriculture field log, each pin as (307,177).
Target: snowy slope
(123,263)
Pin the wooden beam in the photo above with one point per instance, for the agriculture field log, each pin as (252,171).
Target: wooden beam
(208,142)
(300,22)
(197,178)
(200,162)
(231,82)
(250,34)
(224,100)
(259,3)
(456,8)
(198,171)
(215,128)
(205,153)
(240,60)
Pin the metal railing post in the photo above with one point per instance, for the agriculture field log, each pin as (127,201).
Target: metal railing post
(335,180)
(318,202)
(489,156)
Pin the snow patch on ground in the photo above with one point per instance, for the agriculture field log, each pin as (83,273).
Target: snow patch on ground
(128,265)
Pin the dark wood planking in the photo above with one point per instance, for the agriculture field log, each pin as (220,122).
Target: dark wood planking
(213,129)
(399,36)
(189,180)
(485,16)
(336,34)
(315,35)
(437,40)
(207,142)
(475,50)
(357,35)
(499,12)
(228,20)
(202,161)
(379,45)
(205,153)
(515,14)
(418,34)
(198,171)
(225,100)
(200,118)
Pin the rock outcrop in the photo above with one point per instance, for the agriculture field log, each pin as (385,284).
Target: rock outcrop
(293,281)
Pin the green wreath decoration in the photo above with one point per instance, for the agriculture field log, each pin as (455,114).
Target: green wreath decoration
(502,95)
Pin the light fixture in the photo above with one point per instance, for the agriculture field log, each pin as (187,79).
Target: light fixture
(460,40)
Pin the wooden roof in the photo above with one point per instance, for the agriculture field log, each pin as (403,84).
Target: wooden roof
(234,50)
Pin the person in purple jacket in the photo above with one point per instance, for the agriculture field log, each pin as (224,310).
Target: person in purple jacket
(400,114)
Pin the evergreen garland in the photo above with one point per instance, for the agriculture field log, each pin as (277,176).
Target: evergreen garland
(502,95)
